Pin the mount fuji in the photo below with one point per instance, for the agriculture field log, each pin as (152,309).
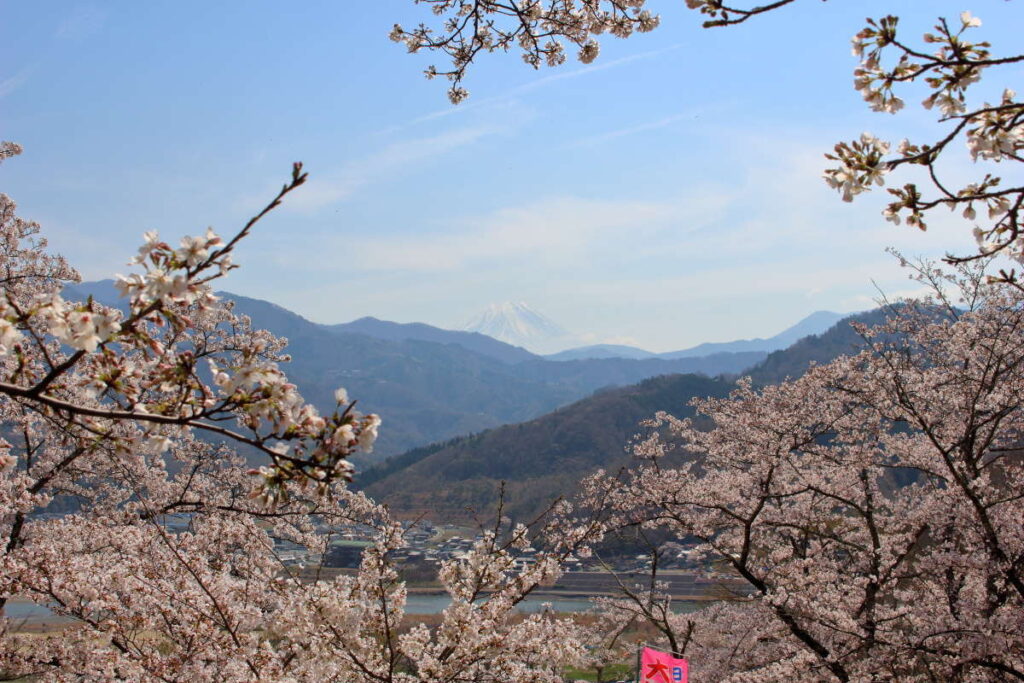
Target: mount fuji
(520,325)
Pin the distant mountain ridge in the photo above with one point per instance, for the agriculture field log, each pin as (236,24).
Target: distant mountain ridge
(473,341)
(429,384)
(602,351)
(815,323)
(290,323)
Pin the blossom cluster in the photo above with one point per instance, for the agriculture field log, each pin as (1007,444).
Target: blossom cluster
(992,133)
(861,166)
(538,28)
(949,66)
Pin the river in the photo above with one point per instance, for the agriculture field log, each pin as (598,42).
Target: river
(417,603)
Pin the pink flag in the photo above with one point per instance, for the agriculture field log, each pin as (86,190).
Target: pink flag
(662,667)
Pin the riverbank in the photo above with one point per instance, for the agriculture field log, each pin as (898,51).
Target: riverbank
(571,594)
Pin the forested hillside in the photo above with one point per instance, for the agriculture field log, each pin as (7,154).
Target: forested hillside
(538,460)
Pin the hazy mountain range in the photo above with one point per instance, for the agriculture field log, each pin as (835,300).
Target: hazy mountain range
(519,325)
(816,323)
(471,341)
(544,458)
(430,384)
(463,411)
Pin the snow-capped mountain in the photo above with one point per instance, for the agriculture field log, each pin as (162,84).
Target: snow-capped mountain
(520,325)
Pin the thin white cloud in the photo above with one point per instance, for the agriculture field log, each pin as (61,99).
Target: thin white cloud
(84,21)
(9,85)
(631,130)
(592,68)
(775,242)
(546,234)
(530,86)
(890,294)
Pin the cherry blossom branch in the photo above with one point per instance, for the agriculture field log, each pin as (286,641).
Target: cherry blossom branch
(730,16)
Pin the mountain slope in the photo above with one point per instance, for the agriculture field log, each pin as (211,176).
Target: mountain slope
(840,339)
(816,323)
(538,460)
(472,341)
(601,351)
(591,374)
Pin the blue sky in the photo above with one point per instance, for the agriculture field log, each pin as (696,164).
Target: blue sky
(666,195)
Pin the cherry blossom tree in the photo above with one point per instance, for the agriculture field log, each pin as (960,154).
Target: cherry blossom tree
(162,548)
(93,368)
(948,60)
(873,506)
